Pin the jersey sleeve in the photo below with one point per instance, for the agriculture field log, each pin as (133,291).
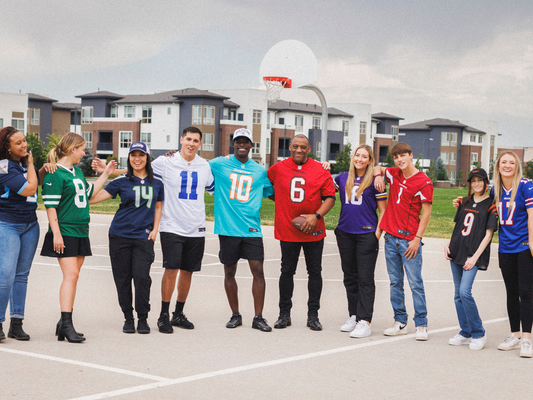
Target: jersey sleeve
(427,192)
(12,178)
(161,194)
(113,187)
(210,183)
(158,165)
(389,173)
(380,196)
(268,188)
(458,212)
(492,221)
(89,188)
(527,191)
(336,182)
(52,190)
(328,188)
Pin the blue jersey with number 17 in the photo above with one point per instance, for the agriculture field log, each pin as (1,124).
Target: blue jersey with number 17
(513,219)
(239,191)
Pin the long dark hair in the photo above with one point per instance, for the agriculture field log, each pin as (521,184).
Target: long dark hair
(5,142)
(148,169)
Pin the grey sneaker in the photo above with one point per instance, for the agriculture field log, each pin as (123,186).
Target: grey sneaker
(526,350)
(421,333)
(396,329)
(511,342)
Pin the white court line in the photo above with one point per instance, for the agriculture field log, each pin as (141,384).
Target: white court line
(280,361)
(85,364)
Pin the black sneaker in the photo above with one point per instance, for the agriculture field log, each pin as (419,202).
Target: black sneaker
(142,326)
(260,323)
(179,319)
(163,323)
(2,334)
(129,326)
(314,324)
(283,321)
(235,321)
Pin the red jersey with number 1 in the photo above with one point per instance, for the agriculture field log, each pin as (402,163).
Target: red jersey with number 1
(299,189)
(402,216)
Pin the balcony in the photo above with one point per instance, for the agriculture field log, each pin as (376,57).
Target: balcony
(103,146)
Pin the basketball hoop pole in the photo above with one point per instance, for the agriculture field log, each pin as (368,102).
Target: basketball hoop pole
(324,155)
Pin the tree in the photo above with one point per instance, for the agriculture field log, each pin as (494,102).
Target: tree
(312,155)
(389,161)
(85,163)
(344,157)
(53,139)
(528,170)
(458,181)
(442,175)
(417,163)
(36,146)
(432,172)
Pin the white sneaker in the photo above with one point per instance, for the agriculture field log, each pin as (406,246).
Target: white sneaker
(511,342)
(479,343)
(396,329)
(349,325)
(459,340)
(421,333)
(361,330)
(526,350)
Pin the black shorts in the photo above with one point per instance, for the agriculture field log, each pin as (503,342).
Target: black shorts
(181,252)
(234,248)
(74,246)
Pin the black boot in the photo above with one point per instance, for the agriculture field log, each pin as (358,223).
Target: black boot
(16,331)
(2,335)
(66,329)
(59,323)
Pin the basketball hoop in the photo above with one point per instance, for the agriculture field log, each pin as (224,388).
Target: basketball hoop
(274,86)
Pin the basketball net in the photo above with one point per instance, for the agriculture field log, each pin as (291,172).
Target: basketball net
(273,91)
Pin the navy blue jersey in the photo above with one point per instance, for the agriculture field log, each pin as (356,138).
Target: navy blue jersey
(135,216)
(514,232)
(15,208)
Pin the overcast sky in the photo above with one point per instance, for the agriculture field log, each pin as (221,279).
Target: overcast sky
(462,60)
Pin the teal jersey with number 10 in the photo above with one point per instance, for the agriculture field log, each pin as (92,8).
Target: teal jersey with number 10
(68,192)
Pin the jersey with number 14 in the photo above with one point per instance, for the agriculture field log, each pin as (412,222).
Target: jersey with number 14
(185,182)
(514,232)
(68,192)
(239,191)
(406,195)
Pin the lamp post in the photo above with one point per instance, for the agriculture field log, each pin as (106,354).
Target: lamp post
(423,148)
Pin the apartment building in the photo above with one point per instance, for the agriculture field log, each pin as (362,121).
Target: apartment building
(13,110)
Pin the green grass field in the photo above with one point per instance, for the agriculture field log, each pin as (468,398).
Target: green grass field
(440,226)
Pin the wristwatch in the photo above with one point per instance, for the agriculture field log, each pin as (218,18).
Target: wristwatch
(318,216)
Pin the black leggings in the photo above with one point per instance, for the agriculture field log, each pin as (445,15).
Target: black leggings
(517,272)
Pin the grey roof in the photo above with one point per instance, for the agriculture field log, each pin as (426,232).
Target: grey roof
(33,96)
(172,96)
(229,103)
(282,105)
(66,106)
(100,95)
(427,125)
(382,115)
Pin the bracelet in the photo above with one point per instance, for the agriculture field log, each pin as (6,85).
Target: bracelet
(418,237)
(377,175)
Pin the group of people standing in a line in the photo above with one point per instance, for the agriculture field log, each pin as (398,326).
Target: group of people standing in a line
(166,196)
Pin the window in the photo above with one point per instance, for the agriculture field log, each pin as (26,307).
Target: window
(257,117)
(208,142)
(169,110)
(225,113)
(453,139)
(87,115)
(492,140)
(299,123)
(444,158)
(480,139)
(472,138)
(394,130)
(473,158)
(1,122)
(268,120)
(346,127)
(362,127)
(146,137)
(147,115)
(453,158)
(114,111)
(123,162)
(168,138)
(316,122)
(256,148)
(281,121)
(267,145)
(197,115)
(34,116)
(18,124)
(125,139)
(445,139)
(451,176)
(318,150)
(129,112)
(209,115)
(88,136)
(240,117)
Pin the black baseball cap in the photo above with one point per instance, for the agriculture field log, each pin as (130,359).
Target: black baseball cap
(480,172)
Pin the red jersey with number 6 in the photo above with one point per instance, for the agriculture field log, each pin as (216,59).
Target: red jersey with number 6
(299,189)
(402,216)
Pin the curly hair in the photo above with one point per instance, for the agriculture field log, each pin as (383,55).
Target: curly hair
(5,137)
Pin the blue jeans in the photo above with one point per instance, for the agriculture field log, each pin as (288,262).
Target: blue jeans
(469,320)
(17,249)
(397,263)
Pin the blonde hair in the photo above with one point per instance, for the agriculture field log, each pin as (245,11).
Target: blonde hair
(65,146)
(498,178)
(367,177)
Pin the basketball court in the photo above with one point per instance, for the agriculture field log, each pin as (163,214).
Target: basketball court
(212,361)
